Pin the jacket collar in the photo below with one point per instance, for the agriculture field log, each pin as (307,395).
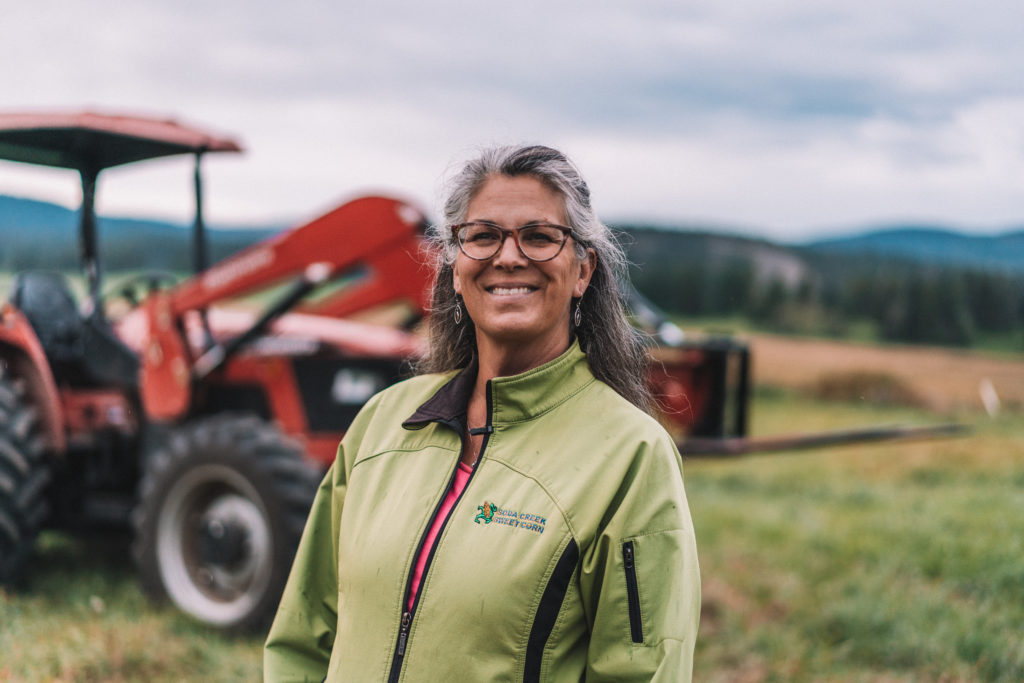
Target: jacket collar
(512,399)
(449,403)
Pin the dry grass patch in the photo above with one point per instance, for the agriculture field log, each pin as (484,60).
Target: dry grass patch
(946,380)
(878,388)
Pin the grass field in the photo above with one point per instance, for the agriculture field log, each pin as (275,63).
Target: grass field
(888,562)
(894,562)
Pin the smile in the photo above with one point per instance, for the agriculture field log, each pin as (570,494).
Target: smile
(510,291)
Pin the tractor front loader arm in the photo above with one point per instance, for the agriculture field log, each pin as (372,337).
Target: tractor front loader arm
(377,240)
(362,232)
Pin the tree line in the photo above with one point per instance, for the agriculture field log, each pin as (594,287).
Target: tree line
(694,274)
(902,300)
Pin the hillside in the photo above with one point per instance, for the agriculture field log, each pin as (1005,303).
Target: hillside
(26,224)
(909,285)
(924,245)
(932,245)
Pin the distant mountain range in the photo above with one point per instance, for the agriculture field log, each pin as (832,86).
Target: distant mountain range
(37,234)
(40,234)
(925,246)
(928,244)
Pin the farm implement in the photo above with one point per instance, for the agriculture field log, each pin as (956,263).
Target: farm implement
(703,386)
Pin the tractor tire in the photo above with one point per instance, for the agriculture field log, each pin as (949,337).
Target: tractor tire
(223,501)
(24,475)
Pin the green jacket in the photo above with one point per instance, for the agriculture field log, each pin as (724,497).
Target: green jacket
(570,556)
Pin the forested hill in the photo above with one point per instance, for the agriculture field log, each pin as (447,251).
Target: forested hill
(35,234)
(933,245)
(924,245)
(25,224)
(917,285)
(947,288)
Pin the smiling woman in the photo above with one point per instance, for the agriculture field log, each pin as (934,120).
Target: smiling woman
(614,349)
(518,303)
(513,513)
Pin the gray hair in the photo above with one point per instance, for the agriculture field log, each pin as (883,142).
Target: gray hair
(615,350)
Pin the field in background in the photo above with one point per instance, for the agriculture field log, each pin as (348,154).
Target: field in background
(896,562)
(943,380)
(883,562)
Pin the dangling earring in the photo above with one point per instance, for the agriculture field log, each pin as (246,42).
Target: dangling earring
(577,317)
(458,311)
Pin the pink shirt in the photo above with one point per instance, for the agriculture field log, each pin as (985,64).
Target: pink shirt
(461,478)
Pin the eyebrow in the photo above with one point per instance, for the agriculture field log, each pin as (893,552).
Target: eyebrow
(534,221)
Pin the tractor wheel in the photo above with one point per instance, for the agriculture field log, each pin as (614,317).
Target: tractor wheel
(24,475)
(223,502)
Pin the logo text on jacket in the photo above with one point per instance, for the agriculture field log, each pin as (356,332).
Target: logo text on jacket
(489,512)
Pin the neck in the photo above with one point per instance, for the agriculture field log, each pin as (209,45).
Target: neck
(504,360)
(501,360)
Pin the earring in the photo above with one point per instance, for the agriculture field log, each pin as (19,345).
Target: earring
(577,317)
(458,312)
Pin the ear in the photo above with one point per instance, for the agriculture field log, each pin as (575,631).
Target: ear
(587,265)
(456,283)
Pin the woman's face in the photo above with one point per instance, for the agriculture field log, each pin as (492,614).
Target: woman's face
(514,302)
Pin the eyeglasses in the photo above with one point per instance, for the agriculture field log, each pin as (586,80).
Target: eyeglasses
(481,240)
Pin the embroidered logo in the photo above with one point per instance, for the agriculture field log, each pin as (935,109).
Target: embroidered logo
(487,511)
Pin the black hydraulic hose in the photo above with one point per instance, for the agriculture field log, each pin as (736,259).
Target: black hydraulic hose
(217,356)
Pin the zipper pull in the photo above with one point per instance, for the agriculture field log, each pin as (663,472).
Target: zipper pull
(404,633)
(627,556)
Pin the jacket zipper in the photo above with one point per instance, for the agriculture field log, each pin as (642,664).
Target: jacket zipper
(636,629)
(407,615)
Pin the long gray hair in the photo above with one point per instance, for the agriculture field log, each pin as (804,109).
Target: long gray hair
(615,350)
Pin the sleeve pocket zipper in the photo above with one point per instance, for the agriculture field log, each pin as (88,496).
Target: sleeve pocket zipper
(636,629)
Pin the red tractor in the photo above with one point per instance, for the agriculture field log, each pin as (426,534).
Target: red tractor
(205,429)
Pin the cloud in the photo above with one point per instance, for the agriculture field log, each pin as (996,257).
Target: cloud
(784,116)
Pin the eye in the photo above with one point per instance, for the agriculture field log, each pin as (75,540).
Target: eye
(480,234)
(540,235)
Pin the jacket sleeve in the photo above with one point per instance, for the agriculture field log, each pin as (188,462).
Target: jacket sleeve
(299,645)
(639,580)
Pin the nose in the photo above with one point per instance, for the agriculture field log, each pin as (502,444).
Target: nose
(509,255)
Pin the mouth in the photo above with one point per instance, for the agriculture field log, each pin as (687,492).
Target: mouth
(501,290)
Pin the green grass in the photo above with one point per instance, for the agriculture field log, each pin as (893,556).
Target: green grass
(881,562)
(1006,342)
(82,617)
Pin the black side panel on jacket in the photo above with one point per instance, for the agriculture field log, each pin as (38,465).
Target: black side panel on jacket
(547,611)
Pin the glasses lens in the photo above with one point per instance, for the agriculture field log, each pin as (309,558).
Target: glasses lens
(541,242)
(479,240)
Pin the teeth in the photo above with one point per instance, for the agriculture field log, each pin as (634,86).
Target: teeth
(503,291)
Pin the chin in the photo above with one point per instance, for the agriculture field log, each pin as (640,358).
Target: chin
(519,335)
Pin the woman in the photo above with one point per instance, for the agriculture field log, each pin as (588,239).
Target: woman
(512,514)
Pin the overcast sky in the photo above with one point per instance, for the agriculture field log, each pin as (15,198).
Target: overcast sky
(778,118)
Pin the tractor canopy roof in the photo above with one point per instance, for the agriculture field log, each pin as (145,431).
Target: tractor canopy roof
(91,142)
